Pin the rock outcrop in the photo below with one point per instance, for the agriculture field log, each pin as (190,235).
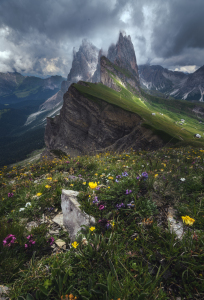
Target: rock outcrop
(123,55)
(85,127)
(114,76)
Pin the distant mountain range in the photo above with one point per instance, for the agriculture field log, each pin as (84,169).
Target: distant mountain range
(172,83)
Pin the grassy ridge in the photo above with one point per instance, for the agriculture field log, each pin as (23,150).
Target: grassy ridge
(173,111)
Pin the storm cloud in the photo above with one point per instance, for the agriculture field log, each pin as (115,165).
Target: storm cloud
(37,37)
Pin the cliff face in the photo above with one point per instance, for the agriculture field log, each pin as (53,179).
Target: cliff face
(111,74)
(123,55)
(85,126)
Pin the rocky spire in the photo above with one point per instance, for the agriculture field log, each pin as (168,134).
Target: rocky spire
(84,63)
(123,54)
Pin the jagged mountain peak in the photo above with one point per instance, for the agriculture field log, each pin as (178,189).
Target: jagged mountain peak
(123,54)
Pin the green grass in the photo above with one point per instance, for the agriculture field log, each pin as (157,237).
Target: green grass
(129,259)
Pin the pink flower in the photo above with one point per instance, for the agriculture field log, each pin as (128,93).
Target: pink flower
(101,207)
(51,240)
(10,239)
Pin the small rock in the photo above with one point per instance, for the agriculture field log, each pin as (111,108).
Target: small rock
(58,219)
(60,243)
(3,291)
(31,225)
(23,220)
(56,232)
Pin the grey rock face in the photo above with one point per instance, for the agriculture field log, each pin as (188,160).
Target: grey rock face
(73,217)
(123,76)
(123,55)
(159,78)
(173,83)
(193,87)
(85,126)
(84,63)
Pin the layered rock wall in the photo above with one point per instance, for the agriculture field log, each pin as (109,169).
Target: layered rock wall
(85,126)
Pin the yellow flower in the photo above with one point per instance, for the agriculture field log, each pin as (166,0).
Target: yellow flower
(155,175)
(92,228)
(84,183)
(38,194)
(49,178)
(113,224)
(48,186)
(108,187)
(162,170)
(75,244)
(96,174)
(71,184)
(110,177)
(92,185)
(188,220)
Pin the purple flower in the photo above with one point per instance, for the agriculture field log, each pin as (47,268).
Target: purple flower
(117,180)
(79,175)
(51,240)
(95,199)
(128,192)
(144,174)
(108,225)
(118,206)
(124,174)
(138,177)
(97,188)
(10,239)
(118,176)
(131,204)
(67,162)
(10,194)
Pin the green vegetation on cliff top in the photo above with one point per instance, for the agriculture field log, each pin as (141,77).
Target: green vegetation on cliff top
(168,113)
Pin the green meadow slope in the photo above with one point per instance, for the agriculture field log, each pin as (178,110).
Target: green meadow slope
(168,113)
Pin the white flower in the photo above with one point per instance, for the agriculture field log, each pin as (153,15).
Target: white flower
(28,204)
(21,209)
(182,179)
(153,114)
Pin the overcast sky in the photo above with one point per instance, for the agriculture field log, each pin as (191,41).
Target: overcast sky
(37,36)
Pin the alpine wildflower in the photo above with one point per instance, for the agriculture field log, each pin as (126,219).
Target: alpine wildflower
(188,220)
(92,185)
(92,228)
(75,244)
(10,239)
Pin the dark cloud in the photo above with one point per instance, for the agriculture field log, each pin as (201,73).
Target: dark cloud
(180,26)
(38,36)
